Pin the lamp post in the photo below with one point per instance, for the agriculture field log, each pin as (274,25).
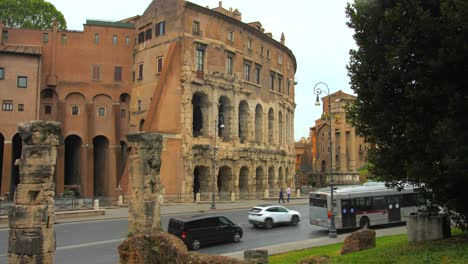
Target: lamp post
(318,91)
(219,118)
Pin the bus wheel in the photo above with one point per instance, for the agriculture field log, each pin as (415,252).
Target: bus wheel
(364,222)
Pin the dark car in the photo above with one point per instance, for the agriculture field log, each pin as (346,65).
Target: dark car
(199,231)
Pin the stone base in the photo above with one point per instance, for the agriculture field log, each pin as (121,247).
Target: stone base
(425,227)
(26,259)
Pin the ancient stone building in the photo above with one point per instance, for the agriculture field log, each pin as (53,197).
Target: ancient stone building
(349,150)
(178,70)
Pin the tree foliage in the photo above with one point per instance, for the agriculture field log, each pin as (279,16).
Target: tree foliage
(33,14)
(410,76)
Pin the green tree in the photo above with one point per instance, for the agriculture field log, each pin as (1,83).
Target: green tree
(411,79)
(33,14)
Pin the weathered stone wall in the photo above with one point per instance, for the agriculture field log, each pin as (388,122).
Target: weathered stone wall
(145,163)
(32,218)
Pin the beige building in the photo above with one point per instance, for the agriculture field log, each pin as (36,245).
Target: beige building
(349,150)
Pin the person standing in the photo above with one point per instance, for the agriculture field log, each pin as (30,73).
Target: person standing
(281,196)
(288,192)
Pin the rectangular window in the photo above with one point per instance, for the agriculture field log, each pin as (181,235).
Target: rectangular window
(272,81)
(127,40)
(45,37)
(22,82)
(257,73)
(160,28)
(118,73)
(139,105)
(96,73)
(48,109)
(133,75)
(200,57)
(149,34)
(123,112)
(96,38)
(289,86)
(4,35)
(141,37)
(114,40)
(247,71)
(280,83)
(159,62)
(261,51)
(140,71)
(268,53)
(20,107)
(229,63)
(196,28)
(75,110)
(2,73)
(7,105)
(249,44)
(280,59)
(101,111)
(64,38)
(230,35)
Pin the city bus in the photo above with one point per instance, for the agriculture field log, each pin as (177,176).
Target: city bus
(362,206)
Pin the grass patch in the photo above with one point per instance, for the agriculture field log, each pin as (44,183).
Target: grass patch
(389,249)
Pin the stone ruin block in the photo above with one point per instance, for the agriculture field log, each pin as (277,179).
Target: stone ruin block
(358,240)
(40,258)
(31,216)
(31,241)
(35,194)
(41,133)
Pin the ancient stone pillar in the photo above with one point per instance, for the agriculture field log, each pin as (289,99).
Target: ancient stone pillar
(144,212)
(343,159)
(353,150)
(6,169)
(32,217)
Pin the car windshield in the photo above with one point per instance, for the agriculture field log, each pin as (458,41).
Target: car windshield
(255,210)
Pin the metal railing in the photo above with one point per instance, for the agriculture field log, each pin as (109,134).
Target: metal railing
(73,204)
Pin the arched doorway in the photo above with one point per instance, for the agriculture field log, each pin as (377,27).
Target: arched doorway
(16,148)
(271,122)
(271,179)
(101,159)
(259,187)
(224,180)
(224,110)
(200,109)
(280,177)
(244,183)
(72,168)
(201,182)
(243,121)
(259,124)
(141,125)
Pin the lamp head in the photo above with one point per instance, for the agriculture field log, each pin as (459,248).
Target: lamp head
(221,126)
(317,102)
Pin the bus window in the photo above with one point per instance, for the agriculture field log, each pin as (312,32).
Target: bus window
(378,203)
(318,202)
(409,199)
(362,204)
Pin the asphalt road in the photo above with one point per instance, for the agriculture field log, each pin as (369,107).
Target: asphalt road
(97,241)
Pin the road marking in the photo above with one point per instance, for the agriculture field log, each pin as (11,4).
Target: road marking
(90,244)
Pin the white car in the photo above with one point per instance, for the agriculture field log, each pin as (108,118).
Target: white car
(269,215)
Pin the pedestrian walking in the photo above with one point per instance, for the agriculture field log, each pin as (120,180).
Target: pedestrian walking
(288,192)
(281,196)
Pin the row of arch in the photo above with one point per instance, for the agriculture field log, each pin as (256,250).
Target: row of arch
(247,180)
(277,130)
(73,171)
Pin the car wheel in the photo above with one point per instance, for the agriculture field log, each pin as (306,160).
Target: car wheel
(295,220)
(237,237)
(268,223)
(364,222)
(195,245)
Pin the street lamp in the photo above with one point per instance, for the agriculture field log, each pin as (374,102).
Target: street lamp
(318,91)
(219,118)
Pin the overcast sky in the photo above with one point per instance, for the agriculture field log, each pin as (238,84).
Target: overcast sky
(315,31)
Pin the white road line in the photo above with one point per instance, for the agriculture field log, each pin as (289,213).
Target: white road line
(90,244)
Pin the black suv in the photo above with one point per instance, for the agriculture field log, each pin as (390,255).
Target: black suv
(204,230)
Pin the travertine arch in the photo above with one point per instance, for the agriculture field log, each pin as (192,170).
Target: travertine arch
(259,123)
(259,179)
(225,179)
(244,116)
(225,111)
(280,128)
(200,114)
(271,126)
(271,178)
(280,177)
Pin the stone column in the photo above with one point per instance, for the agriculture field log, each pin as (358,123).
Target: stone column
(144,212)
(353,149)
(32,217)
(343,165)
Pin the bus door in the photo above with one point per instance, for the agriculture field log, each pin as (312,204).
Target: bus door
(393,206)
(348,214)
